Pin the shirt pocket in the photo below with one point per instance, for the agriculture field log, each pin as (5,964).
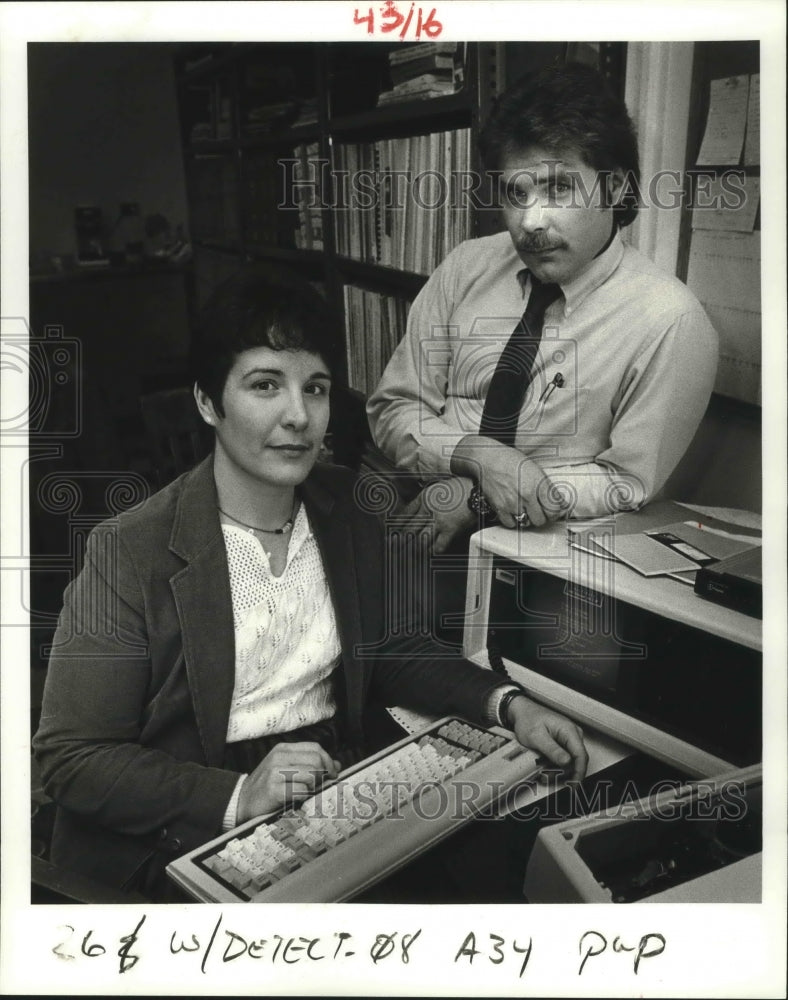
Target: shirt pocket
(556,411)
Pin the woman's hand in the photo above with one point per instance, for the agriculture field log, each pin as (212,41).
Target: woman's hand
(291,771)
(551,734)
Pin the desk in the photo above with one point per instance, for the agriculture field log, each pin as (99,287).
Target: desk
(613,718)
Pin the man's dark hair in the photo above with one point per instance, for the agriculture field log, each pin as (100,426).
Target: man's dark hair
(260,306)
(561,108)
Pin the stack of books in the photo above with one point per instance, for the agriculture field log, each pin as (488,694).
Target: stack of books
(422,72)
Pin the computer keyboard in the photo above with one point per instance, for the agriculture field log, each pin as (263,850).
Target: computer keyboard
(373,819)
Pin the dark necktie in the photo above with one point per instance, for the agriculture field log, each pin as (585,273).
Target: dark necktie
(512,374)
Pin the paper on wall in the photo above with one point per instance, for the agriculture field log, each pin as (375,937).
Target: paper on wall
(727,204)
(726,121)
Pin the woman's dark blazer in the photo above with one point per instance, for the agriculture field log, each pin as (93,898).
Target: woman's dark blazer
(137,698)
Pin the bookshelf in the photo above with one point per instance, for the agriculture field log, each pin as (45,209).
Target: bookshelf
(293,156)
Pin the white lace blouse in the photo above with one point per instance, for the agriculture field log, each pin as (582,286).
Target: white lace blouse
(286,642)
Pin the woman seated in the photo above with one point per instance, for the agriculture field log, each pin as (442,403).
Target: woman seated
(220,651)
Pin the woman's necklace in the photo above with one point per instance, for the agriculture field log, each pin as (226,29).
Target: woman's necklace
(251,528)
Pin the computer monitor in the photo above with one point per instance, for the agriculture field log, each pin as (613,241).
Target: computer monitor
(697,686)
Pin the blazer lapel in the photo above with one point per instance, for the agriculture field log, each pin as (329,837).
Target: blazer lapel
(204,602)
(335,541)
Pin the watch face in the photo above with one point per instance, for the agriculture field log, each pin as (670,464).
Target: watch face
(477,502)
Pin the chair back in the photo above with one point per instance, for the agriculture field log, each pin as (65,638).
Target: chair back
(177,435)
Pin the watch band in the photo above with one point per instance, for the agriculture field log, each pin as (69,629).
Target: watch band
(503,705)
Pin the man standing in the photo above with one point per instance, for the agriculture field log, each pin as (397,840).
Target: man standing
(551,370)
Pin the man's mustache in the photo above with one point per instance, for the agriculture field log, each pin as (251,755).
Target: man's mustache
(538,245)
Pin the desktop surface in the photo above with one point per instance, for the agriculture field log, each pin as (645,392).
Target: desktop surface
(548,549)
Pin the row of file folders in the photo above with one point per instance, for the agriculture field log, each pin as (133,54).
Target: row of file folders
(400,203)
(374,325)
(396,202)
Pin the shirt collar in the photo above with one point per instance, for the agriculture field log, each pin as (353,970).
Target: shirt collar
(595,274)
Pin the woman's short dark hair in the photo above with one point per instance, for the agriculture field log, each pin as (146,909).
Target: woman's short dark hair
(260,306)
(566,107)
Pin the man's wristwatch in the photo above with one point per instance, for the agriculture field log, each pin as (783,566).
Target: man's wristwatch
(515,691)
(479,504)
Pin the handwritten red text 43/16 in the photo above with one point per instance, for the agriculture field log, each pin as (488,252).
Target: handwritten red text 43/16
(390,19)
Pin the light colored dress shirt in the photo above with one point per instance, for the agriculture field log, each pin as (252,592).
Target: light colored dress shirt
(636,352)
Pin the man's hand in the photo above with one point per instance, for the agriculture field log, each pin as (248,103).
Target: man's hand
(291,771)
(510,482)
(550,734)
(442,507)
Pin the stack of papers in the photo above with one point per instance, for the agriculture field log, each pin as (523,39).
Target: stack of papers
(657,542)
